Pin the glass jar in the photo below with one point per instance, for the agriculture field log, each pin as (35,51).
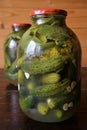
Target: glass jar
(10,49)
(50,68)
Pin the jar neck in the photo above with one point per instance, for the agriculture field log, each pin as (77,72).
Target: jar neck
(49,19)
(19,28)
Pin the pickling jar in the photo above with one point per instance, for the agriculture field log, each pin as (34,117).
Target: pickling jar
(10,50)
(49,62)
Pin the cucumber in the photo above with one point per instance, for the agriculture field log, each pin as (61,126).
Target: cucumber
(26,103)
(13,68)
(50,89)
(20,60)
(21,76)
(42,108)
(57,102)
(11,72)
(50,78)
(59,113)
(47,45)
(51,64)
(52,102)
(7,60)
(12,76)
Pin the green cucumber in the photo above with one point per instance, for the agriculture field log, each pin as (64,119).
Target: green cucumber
(12,76)
(7,60)
(50,89)
(20,60)
(21,76)
(51,78)
(51,64)
(47,45)
(42,108)
(13,68)
(11,72)
(59,113)
(52,102)
(26,103)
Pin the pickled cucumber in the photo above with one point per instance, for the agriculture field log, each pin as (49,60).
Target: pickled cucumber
(11,71)
(54,63)
(26,103)
(21,76)
(20,60)
(42,108)
(11,76)
(51,78)
(59,113)
(13,67)
(58,102)
(52,102)
(50,89)
(8,62)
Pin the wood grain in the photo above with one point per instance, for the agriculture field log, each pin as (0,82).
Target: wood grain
(18,11)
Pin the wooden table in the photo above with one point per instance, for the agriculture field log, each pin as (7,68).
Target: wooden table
(12,118)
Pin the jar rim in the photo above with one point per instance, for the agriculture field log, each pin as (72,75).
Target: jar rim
(20,24)
(48,11)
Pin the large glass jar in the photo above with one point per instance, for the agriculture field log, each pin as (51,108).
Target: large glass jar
(10,49)
(49,75)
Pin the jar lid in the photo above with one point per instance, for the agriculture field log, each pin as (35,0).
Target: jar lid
(48,11)
(20,24)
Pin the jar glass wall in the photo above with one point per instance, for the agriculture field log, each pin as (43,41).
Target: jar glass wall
(50,68)
(10,50)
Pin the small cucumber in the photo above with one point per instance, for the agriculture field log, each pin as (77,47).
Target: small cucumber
(26,103)
(51,78)
(42,108)
(21,76)
(59,113)
(52,102)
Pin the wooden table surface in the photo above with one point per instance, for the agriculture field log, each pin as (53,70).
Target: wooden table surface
(12,118)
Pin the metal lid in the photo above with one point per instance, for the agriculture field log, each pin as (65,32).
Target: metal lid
(20,24)
(48,11)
